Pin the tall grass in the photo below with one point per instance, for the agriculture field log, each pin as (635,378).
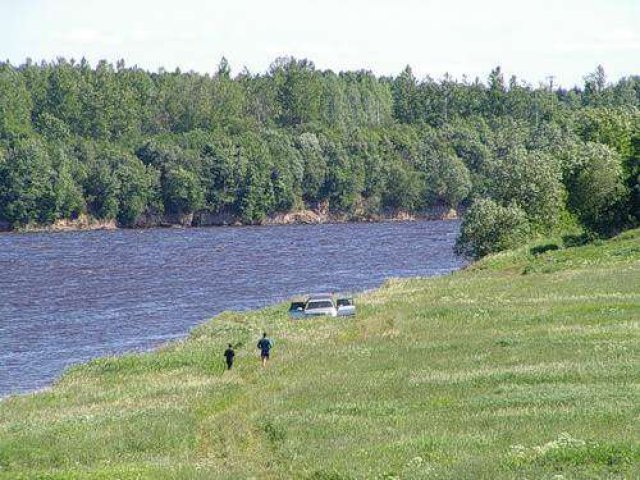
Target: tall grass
(525,365)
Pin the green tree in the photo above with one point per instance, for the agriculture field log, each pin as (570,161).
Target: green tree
(101,187)
(27,192)
(343,183)
(259,98)
(315,167)
(612,127)
(15,104)
(255,197)
(299,87)
(67,90)
(139,185)
(286,170)
(532,180)
(633,175)
(182,191)
(229,101)
(595,92)
(469,139)
(68,193)
(496,93)
(447,180)
(405,96)
(221,176)
(251,145)
(404,187)
(596,188)
(489,227)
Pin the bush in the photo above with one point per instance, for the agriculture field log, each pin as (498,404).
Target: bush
(138,186)
(447,180)
(533,180)
(489,227)
(182,191)
(540,249)
(596,189)
(27,193)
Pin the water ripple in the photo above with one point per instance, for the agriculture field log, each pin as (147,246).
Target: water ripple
(66,298)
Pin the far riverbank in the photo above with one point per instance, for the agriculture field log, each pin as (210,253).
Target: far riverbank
(207,219)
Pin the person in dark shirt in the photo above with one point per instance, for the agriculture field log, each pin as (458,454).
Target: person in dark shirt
(264,344)
(229,354)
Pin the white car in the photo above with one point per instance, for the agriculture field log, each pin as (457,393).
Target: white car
(321,305)
(296,309)
(346,307)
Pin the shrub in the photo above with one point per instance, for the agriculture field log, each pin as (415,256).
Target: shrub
(540,249)
(596,189)
(533,180)
(183,192)
(489,227)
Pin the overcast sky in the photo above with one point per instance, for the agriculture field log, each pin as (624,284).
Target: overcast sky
(532,39)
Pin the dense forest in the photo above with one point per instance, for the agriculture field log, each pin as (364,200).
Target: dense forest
(120,143)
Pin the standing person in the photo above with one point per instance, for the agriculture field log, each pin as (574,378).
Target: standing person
(229,354)
(264,344)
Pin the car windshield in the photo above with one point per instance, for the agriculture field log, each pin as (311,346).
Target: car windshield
(319,304)
(344,302)
(296,306)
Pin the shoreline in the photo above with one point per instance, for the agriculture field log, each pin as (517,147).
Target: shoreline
(361,286)
(170,342)
(208,220)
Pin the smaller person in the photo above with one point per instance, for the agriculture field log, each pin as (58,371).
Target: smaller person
(264,344)
(229,354)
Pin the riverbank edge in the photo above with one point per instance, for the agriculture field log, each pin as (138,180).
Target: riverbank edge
(207,219)
(186,335)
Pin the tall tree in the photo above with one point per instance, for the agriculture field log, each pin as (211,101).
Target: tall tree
(15,104)
(26,184)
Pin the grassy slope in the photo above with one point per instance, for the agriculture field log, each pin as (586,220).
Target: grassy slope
(519,367)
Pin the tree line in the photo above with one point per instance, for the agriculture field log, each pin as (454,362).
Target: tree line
(118,142)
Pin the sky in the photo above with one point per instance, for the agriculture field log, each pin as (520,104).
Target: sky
(534,40)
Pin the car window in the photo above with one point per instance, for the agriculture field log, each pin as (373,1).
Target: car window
(319,304)
(344,302)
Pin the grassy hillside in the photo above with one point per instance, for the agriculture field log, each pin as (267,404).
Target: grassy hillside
(522,366)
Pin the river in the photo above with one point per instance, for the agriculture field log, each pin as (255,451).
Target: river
(68,297)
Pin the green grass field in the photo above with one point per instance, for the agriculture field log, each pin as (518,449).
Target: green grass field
(521,366)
